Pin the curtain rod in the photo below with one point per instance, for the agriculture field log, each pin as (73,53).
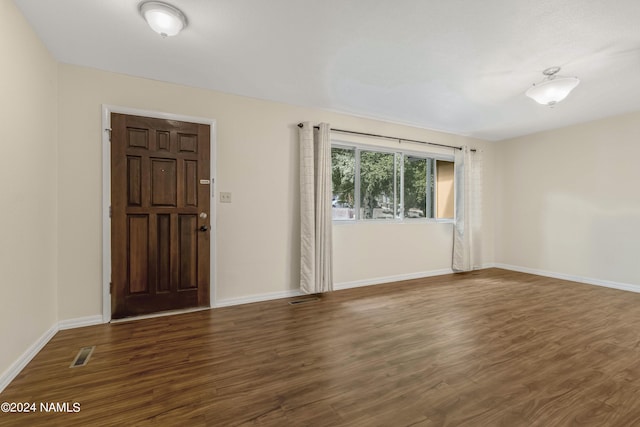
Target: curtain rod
(389,137)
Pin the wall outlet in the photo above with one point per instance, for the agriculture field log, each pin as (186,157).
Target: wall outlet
(225,197)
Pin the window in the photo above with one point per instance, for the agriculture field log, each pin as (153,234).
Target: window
(418,176)
(378,184)
(378,196)
(343,169)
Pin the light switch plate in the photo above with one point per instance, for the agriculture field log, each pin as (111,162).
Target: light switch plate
(225,197)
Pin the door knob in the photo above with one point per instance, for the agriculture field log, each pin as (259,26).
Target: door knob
(204,228)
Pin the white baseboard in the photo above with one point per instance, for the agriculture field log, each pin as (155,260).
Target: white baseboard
(257,298)
(337,286)
(17,366)
(580,279)
(390,279)
(80,322)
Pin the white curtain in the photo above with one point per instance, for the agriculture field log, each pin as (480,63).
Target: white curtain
(316,270)
(467,241)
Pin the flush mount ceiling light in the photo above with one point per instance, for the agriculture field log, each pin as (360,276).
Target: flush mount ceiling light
(163,18)
(552,89)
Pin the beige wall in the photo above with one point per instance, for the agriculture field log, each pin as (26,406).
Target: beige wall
(377,251)
(569,201)
(257,161)
(27,187)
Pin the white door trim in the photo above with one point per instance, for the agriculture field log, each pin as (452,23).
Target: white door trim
(106,195)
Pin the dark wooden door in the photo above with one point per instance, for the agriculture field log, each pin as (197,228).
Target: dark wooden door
(160,219)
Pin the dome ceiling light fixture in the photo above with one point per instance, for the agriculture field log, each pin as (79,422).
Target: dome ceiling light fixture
(553,88)
(163,18)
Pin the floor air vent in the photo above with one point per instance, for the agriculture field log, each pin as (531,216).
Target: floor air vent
(303,300)
(82,358)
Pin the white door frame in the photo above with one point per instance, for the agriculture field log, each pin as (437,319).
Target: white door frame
(106,196)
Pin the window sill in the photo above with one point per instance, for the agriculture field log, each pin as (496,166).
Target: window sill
(341,222)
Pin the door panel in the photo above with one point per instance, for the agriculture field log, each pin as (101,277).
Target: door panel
(191,183)
(138,253)
(163,281)
(163,182)
(160,241)
(134,180)
(188,252)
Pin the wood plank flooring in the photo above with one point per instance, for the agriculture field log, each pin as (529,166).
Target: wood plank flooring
(488,348)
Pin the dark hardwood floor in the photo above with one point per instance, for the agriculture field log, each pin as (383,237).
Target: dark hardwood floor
(489,348)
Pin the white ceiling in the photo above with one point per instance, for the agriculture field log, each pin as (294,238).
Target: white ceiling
(460,66)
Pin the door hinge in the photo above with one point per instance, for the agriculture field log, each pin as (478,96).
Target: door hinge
(110,287)
(110,211)
(108,130)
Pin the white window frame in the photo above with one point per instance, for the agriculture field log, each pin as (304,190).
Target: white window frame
(358,147)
